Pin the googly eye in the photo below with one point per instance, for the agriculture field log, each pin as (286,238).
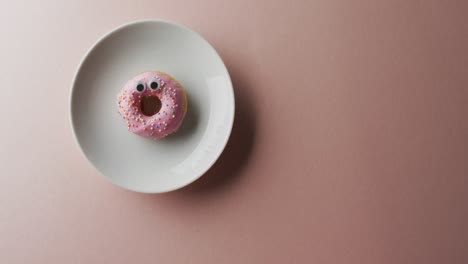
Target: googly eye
(140,88)
(154,85)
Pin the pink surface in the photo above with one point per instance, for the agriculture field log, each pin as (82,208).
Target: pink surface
(349,144)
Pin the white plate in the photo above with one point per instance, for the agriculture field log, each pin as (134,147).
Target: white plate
(133,162)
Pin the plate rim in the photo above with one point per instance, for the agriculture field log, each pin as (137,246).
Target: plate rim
(72,90)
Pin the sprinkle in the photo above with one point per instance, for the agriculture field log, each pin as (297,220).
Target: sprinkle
(173,116)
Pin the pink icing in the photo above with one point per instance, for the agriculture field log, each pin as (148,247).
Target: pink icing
(169,117)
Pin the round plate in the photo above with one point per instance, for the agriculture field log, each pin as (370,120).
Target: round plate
(128,160)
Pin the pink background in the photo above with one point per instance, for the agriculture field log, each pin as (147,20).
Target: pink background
(350,143)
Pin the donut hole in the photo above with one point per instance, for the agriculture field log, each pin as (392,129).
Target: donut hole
(150,105)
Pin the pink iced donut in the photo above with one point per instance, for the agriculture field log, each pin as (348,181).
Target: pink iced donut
(151,90)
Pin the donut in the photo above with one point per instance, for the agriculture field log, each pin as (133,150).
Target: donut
(153,104)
